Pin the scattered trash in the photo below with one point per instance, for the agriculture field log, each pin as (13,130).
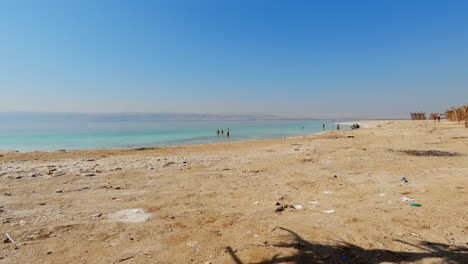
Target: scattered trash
(327,192)
(256,203)
(406,199)
(233,206)
(415,204)
(191,243)
(124,259)
(344,258)
(314,202)
(414,234)
(196,249)
(298,206)
(329,211)
(9,239)
(382,194)
(404,179)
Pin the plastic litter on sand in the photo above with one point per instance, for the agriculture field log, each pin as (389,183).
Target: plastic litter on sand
(415,204)
(256,203)
(329,211)
(314,202)
(382,194)
(327,192)
(191,243)
(298,206)
(406,199)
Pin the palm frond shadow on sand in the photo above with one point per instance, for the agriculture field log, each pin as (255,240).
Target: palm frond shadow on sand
(308,252)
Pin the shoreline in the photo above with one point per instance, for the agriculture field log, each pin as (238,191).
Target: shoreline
(175,145)
(191,204)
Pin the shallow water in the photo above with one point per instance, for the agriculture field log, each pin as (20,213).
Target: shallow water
(40,135)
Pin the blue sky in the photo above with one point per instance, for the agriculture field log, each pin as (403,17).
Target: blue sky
(363,58)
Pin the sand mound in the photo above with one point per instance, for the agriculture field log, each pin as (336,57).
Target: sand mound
(135,215)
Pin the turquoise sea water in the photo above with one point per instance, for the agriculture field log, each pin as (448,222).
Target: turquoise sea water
(77,135)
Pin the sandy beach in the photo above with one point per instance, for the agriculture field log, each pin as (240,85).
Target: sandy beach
(336,197)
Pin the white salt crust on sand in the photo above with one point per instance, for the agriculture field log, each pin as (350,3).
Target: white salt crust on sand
(135,215)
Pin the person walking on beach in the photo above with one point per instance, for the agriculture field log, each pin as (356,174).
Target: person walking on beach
(338,127)
(323,127)
(227,133)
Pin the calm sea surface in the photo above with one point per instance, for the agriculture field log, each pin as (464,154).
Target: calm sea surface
(73,135)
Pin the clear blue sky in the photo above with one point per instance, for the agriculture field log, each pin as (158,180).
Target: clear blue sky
(366,58)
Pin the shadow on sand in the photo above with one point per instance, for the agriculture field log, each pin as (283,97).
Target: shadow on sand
(308,252)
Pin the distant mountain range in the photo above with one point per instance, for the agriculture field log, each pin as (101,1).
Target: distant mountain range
(122,117)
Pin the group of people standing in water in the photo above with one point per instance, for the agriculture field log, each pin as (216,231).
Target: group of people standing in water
(222,132)
(355,126)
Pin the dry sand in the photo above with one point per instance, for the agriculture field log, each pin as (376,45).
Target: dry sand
(216,203)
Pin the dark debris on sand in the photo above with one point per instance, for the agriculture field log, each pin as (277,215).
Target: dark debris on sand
(434,153)
(427,153)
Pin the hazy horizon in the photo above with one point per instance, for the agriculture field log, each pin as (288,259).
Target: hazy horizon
(189,116)
(359,59)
